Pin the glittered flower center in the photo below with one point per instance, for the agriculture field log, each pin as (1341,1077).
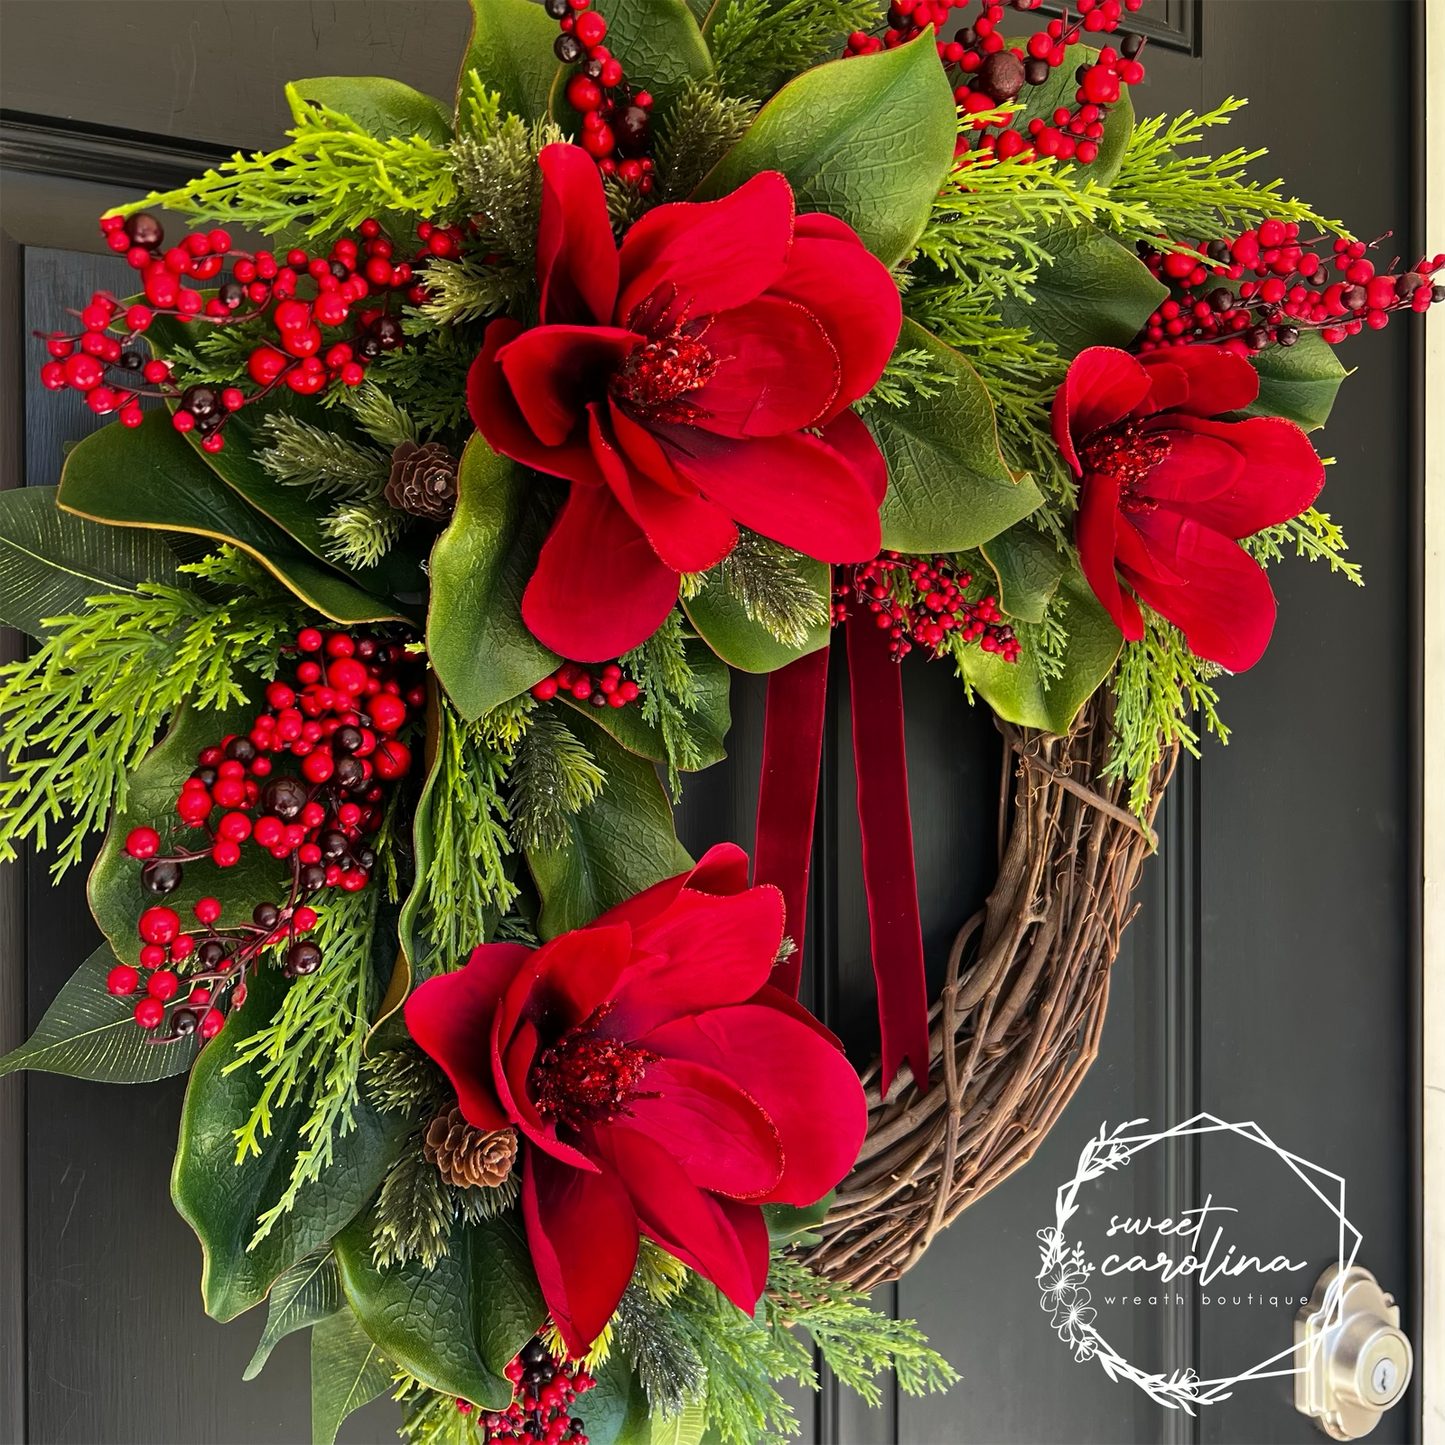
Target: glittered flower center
(583,1079)
(659,373)
(1127,453)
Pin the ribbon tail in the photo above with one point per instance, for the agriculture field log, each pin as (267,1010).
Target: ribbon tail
(875,684)
(788,796)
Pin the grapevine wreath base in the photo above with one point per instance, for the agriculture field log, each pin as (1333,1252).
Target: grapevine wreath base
(1017,1022)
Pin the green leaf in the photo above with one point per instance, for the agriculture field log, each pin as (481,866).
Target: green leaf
(1028,567)
(89,1034)
(478,644)
(450,1326)
(948,485)
(619,845)
(1298,382)
(150,477)
(50,561)
(222,1199)
(347,1372)
(685,1428)
(707,726)
(797,1222)
(310,1291)
(511,51)
(720,620)
(615,1408)
(1059,90)
(385,108)
(1094,293)
(868,139)
(1015,690)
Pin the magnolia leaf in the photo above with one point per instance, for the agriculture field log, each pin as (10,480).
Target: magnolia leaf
(508,1308)
(90,1034)
(1093,293)
(511,52)
(797,1222)
(707,726)
(51,562)
(222,1199)
(310,1291)
(151,477)
(685,1428)
(347,1372)
(618,844)
(721,620)
(868,139)
(948,485)
(1016,690)
(1058,90)
(1028,566)
(384,108)
(1298,382)
(615,1409)
(476,639)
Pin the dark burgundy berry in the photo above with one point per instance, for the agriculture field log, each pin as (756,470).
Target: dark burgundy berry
(132,360)
(303,958)
(161,876)
(210,953)
(1002,75)
(183,1021)
(1036,71)
(557,8)
(338,269)
(366,860)
(1408,284)
(368,348)
(1437,294)
(1257,338)
(1286,335)
(200,401)
(144,230)
(231,294)
(349,772)
(266,914)
(633,130)
(366,648)
(593,70)
(345,740)
(332,844)
(1221,299)
(1218,251)
(1132,45)
(1354,297)
(207,776)
(285,797)
(313,876)
(568,49)
(241,750)
(388,332)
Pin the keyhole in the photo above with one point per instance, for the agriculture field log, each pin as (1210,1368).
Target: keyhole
(1383,1378)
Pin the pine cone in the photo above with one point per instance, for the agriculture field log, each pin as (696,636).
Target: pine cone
(469,1157)
(423,480)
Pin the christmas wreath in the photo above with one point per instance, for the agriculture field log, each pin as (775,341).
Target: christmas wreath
(682,336)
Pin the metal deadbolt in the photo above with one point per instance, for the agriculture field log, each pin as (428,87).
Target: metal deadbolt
(1355,1361)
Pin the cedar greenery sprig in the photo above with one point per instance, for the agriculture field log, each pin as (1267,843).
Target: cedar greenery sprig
(1311,535)
(78,716)
(909,374)
(759,45)
(669,691)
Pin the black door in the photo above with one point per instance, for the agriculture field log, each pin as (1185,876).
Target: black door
(1269,977)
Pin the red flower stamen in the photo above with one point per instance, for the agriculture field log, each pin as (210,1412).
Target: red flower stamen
(1127,453)
(657,374)
(583,1079)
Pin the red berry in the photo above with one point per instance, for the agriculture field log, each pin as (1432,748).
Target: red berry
(149,1012)
(122,980)
(142,842)
(265,365)
(317,767)
(304,919)
(387,712)
(208,910)
(226,854)
(152,955)
(346,675)
(236,827)
(159,925)
(214,1019)
(163,985)
(392,760)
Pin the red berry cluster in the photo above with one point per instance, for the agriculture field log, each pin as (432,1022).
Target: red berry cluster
(1290,291)
(986,73)
(341,723)
(540,1412)
(297,354)
(608,689)
(616,120)
(930,606)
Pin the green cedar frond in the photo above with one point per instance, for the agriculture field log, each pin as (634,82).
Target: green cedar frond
(502,728)
(759,45)
(80,713)
(1158,686)
(429,1417)
(702,126)
(311,1049)
(471,288)
(908,374)
(764,577)
(378,415)
(1046,642)
(360,534)
(669,689)
(217,355)
(1311,535)
(553,778)
(302,455)
(331,177)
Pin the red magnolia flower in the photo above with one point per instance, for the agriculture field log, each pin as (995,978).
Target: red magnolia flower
(662,1086)
(678,383)
(1167,493)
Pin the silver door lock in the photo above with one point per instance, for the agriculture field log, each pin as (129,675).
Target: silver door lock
(1356,1360)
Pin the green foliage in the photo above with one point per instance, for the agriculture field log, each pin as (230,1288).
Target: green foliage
(79,714)
(360,534)
(769,582)
(471,288)
(302,455)
(330,177)
(741,637)
(312,1048)
(1312,535)
(310,1291)
(378,415)
(214,355)
(428,376)
(554,777)
(1298,382)
(380,105)
(510,56)
(429,1417)
(1159,687)
(669,692)
(347,1372)
(699,130)
(910,372)
(413,1214)
(758,45)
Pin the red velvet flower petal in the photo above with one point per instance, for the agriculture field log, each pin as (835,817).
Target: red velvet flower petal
(848,435)
(1102,387)
(576,972)
(777,370)
(599,588)
(1094,533)
(852,294)
(582,1233)
(1281,474)
(1196,467)
(688,532)
(576,256)
(751,1229)
(703,952)
(644,451)
(682,1218)
(723,869)
(1168,384)
(450,1017)
(509,1071)
(554,371)
(1224,605)
(704,258)
(795,489)
(716,1132)
(497,416)
(804,1085)
(1219,379)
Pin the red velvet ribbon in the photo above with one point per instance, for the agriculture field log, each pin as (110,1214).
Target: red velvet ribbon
(792,751)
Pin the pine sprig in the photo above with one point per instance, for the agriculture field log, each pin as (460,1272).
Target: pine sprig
(702,126)
(360,534)
(427,377)
(471,288)
(669,691)
(759,45)
(413,1213)
(1311,535)
(765,579)
(302,455)
(330,177)
(78,716)
(378,415)
(554,777)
